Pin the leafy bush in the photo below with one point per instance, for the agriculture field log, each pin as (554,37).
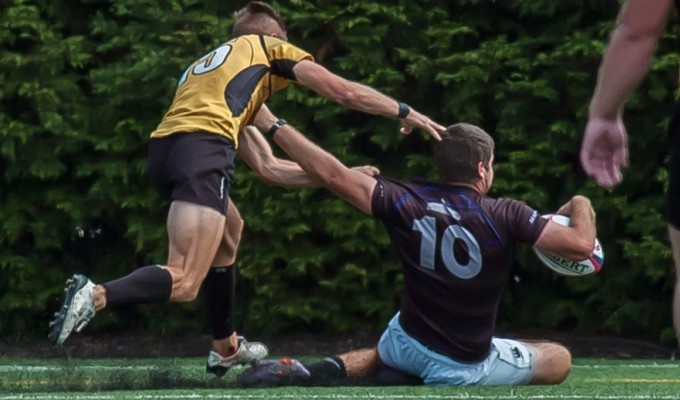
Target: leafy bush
(84,83)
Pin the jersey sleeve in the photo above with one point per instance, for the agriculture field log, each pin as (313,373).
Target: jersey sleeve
(283,57)
(386,195)
(523,223)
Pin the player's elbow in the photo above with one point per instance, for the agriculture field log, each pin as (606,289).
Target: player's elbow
(270,177)
(266,169)
(632,34)
(328,178)
(343,93)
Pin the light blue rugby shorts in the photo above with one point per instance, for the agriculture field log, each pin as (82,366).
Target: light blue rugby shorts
(510,362)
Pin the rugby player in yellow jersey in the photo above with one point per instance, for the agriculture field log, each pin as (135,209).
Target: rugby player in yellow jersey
(191,162)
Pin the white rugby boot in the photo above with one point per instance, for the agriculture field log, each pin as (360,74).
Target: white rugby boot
(247,352)
(77,311)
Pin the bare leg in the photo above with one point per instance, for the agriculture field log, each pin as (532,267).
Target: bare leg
(226,255)
(553,363)
(231,239)
(360,363)
(195,232)
(674,235)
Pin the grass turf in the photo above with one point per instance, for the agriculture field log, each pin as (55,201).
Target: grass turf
(185,378)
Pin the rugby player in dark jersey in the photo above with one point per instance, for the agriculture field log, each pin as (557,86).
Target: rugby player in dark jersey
(455,245)
(604,151)
(190,162)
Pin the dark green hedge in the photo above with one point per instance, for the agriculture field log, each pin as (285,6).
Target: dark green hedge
(83,82)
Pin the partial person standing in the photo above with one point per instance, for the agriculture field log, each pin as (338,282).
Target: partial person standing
(604,150)
(191,163)
(456,246)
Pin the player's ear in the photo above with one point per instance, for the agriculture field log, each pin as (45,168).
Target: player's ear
(481,170)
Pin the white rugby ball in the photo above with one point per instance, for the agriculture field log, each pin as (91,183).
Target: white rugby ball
(562,266)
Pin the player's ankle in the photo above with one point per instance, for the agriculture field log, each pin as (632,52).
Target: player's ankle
(224,347)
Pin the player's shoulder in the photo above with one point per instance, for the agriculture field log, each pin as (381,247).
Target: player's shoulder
(271,41)
(502,201)
(505,207)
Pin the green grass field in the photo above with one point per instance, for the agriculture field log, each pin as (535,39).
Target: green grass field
(185,378)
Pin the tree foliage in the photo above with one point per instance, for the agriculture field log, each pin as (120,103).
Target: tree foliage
(84,82)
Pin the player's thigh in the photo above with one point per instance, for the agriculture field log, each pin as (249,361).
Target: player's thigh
(194,232)
(510,362)
(231,239)
(552,363)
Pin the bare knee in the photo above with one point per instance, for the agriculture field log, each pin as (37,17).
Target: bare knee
(184,293)
(552,363)
(184,289)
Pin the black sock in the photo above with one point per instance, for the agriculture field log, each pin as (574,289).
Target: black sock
(218,290)
(149,284)
(329,371)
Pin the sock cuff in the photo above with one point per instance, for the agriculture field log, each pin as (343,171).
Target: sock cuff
(337,362)
(221,269)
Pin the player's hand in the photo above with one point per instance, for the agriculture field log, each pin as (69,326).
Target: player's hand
(414,119)
(367,170)
(604,150)
(264,119)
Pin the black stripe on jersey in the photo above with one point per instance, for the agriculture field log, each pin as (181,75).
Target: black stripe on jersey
(240,89)
(266,54)
(264,46)
(284,68)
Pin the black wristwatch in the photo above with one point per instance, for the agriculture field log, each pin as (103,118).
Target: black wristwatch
(404,110)
(279,123)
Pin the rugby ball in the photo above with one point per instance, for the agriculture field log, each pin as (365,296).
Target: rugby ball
(562,266)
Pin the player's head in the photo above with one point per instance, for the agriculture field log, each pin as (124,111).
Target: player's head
(259,18)
(465,155)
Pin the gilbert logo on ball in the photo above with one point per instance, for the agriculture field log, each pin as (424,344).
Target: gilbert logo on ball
(562,266)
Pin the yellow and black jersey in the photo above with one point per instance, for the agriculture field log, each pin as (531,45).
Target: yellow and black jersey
(220,92)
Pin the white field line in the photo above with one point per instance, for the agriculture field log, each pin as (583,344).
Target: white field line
(452,396)
(47,368)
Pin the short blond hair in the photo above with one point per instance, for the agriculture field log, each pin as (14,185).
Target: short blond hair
(258,18)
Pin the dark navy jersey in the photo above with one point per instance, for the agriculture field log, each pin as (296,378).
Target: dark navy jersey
(456,249)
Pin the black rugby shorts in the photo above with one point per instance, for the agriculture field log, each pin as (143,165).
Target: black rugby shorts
(674,168)
(196,167)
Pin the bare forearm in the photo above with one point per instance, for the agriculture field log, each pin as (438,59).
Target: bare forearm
(257,153)
(623,67)
(583,219)
(366,99)
(319,165)
(631,48)
(289,175)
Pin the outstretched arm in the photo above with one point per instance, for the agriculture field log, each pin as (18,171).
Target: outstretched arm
(604,150)
(257,153)
(354,186)
(361,97)
(630,51)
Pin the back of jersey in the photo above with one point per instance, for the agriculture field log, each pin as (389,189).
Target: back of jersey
(456,249)
(220,92)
